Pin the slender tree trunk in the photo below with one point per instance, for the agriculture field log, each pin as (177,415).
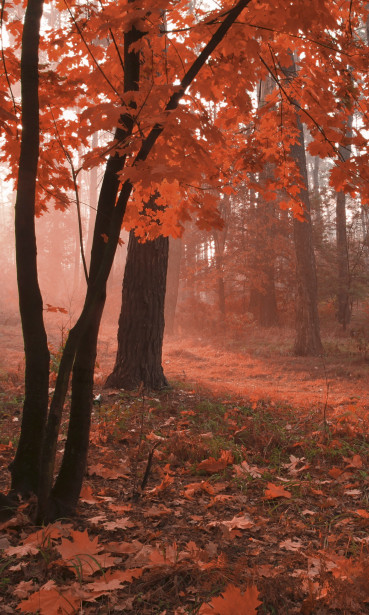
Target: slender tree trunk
(26,465)
(344,304)
(263,301)
(141,321)
(173,275)
(64,495)
(308,340)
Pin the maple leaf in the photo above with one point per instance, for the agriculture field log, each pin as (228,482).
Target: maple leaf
(168,555)
(276,491)
(51,600)
(84,555)
(86,495)
(106,472)
(291,545)
(118,524)
(194,488)
(241,522)
(53,308)
(233,602)
(212,465)
(111,581)
(37,540)
(165,483)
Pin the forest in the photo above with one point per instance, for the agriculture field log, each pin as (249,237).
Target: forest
(184,315)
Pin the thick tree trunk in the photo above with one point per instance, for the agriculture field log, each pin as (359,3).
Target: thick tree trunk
(141,321)
(25,467)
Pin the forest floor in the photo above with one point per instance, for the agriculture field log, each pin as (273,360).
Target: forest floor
(257,491)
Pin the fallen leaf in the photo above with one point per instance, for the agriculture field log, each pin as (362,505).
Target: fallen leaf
(123,547)
(291,545)
(212,465)
(83,555)
(23,589)
(107,472)
(362,513)
(276,491)
(335,472)
(242,522)
(51,601)
(86,495)
(233,602)
(118,524)
(244,468)
(111,581)
(165,483)
(355,462)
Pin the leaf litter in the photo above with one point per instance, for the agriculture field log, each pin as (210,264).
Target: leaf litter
(251,506)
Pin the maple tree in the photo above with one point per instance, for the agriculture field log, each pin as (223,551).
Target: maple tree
(180,150)
(80,348)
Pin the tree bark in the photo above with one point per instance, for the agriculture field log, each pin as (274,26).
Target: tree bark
(344,303)
(26,465)
(141,321)
(173,276)
(263,301)
(307,340)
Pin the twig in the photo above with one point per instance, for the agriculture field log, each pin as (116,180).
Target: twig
(148,465)
(325,422)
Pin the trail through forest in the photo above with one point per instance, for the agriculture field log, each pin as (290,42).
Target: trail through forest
(264,367)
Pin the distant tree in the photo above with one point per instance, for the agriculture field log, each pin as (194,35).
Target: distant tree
(344,300)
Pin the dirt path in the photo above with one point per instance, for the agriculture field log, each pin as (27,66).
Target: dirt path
(256,373)
(299,381)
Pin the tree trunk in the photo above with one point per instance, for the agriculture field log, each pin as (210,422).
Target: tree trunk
(263,301)
(344,304)
(110,216)
(308,340)
(63,498)
(25,467)
(173,275)
(141,321)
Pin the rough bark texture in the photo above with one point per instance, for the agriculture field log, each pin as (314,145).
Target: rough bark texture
(141,321)
(308,340)
(25,467)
